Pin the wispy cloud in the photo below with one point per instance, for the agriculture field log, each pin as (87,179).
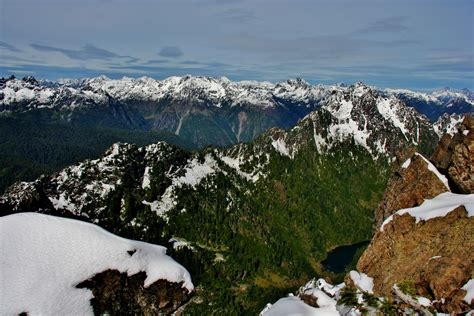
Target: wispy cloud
(9,47)
(14,58)
(155,61)
(237,15)
(392,24)
(190,62)
(314,49)
(452,63)
(87,52)
(170,51)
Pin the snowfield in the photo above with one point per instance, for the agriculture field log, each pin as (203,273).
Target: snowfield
(44,257)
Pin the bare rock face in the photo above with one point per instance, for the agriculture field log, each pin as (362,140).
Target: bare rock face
(408,187)
(117,293)
(435,256)
(454,156)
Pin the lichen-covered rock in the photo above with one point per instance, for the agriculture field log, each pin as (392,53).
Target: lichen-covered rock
(454,156)
(435,255)
(411,184)
(117,293)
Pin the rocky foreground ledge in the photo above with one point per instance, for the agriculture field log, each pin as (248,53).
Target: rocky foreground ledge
(58,266)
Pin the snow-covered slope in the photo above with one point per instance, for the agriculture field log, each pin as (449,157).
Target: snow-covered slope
(207,110)
(360,114)
(216,92)
(202,110)
(44,258)
(212,91)
(448,124)
(436,103)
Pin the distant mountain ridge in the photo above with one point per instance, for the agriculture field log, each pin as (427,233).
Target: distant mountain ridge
(202,110)
(438,102)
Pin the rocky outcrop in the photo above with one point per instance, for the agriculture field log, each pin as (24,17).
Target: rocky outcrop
(430,252)
(410,185)
(435,256)
(454,157)
(414,180)
(117,293)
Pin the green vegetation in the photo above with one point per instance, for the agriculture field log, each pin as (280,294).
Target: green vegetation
(348,297)
(389,308)
(254,243)
(371,299)
(29,148)
(407,287)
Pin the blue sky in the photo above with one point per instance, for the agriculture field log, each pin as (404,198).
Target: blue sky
(412,44)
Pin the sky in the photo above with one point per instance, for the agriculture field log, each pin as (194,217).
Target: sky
(413,44)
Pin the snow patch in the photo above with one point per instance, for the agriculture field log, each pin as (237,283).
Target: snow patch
(423,301)
(469,288)
(319,141)
(433,169)
(407,163)
(63,203)
(439,206)
(294,306)
(146,178)
(388,111)
(448,125)
(362,281)
(280,146)
(164,205)
(348,128)
(235,164)
(328,288)
(195,172)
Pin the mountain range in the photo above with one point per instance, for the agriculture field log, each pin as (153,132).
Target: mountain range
(252,221)
(201,110)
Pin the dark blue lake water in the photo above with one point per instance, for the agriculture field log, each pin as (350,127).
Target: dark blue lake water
(340,257)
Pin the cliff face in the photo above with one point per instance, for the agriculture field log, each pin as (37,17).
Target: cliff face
(409,186)
(454,157)
(428,251)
